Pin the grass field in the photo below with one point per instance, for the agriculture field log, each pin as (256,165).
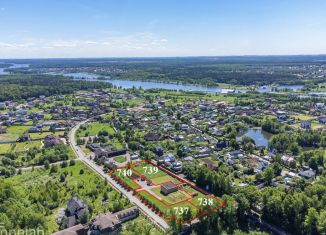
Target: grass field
(13,133)
(4,148)
(44,134)
(94,127)
(120,159)
(303,117)
(165,178)
(314,125)
(126,179)
(169,211)
(149,171)
(19,146)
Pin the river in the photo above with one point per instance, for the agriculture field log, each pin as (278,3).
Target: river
(13,66)
(149,85)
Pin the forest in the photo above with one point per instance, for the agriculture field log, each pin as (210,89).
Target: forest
(17,87)
(299,209)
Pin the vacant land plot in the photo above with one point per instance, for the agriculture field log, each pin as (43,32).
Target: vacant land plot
(19,147)
(5,148)
(25,146)
(185,203)
(166,178)
(13,133)
(44,134)
(94,128)
(149,171)
(123,175)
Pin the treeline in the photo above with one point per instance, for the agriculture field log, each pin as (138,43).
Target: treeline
(209,75)
(16,87)
(292,142)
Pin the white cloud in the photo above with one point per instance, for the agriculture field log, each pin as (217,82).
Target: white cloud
(110,44)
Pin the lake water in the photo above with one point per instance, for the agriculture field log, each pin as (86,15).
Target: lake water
(171,86)
(259,136)
(13,66)
(264,89)
(148,85)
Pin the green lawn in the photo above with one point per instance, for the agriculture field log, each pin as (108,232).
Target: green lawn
(169,211)
(126,179)
(149,171)
(25,146)
(94,127)
(205,201)
(120,159)
(303,117)
(165,178)
(4,148)
(162,207)
(44,134)
(19,146)
(13,133)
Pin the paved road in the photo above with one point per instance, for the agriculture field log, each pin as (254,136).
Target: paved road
(80,154)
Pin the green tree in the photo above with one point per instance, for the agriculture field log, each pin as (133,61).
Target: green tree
(46,165)
(268,175)
(310,222)
(321,223)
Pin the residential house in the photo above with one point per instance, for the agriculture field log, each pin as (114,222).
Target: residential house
(3,105)
(306,125)
(152,137)
(116,152)
(168,187)
(24,138)
(320,106)
(210,164)
(51,141)
(221,144)
(34,130)
(308,174)
(286,160)
(76,208)
(78,229)
(322,119)
(112,223)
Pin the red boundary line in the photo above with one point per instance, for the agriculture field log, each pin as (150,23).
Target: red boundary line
(140,189)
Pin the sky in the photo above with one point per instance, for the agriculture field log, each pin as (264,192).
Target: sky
(147,28)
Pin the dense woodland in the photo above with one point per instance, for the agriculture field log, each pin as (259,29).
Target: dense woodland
(299,209)
(16,87)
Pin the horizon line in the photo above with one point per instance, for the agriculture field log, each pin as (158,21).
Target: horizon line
(163,57)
